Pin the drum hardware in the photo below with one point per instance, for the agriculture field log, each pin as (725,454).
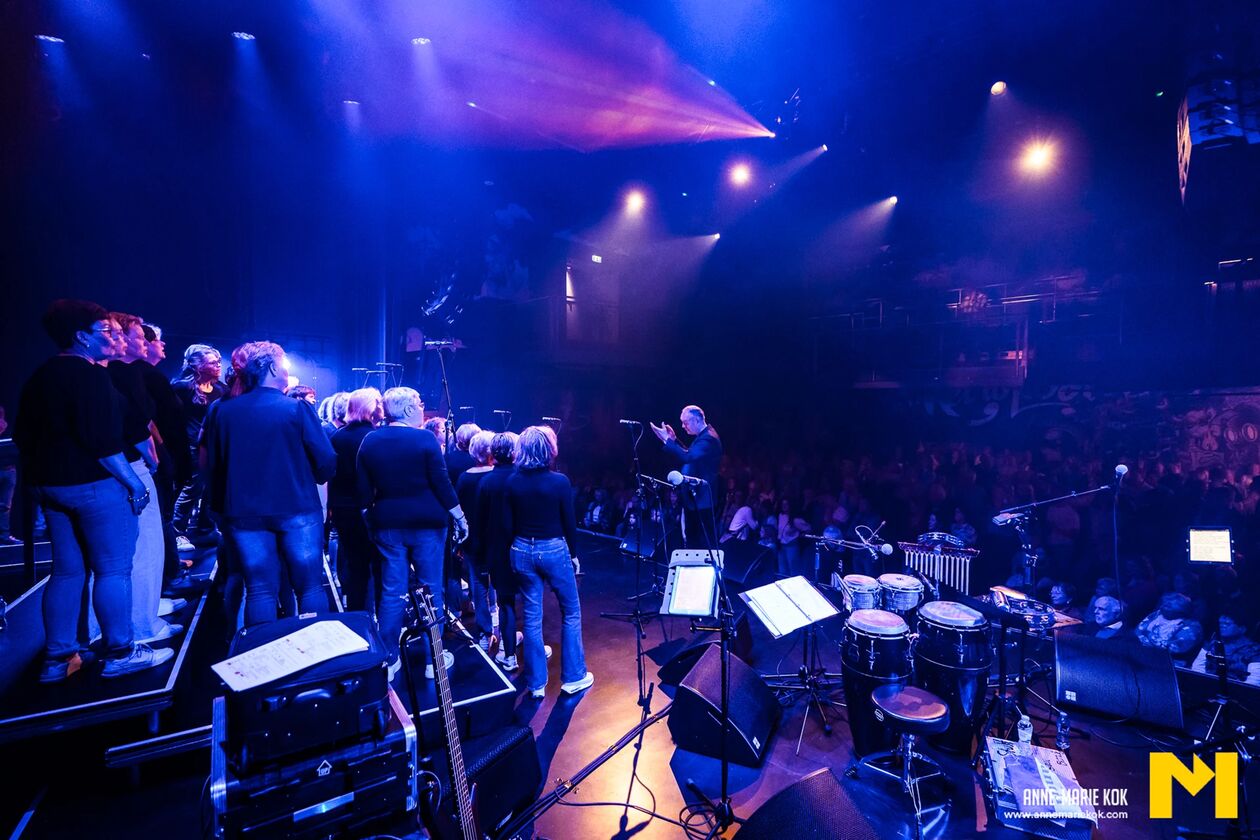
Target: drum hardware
(874,651)
(812,680)
(1012,613)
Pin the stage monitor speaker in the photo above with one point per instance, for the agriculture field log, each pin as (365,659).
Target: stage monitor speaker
(816,807)
(505,768)
(1122,679)
(747,564)
(681,663)
(695,720)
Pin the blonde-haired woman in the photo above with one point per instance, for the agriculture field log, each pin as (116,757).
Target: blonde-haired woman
(357,557)
(539,516)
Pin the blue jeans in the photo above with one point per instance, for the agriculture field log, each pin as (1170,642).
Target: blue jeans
(403,549)
(262,544)
(539,562)
(479,591)
(91,527)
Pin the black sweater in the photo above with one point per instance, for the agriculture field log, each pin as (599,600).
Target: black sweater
(265,454)
(467,489)
(403,480)
(137,406)
(196,405)
(168,416)
(540,506)
(343,489)
(68,419)
(490,522)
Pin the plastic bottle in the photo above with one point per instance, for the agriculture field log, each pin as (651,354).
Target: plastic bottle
(1025,729)
(1062,734)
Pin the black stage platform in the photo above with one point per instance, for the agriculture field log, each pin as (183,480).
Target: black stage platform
(63,788)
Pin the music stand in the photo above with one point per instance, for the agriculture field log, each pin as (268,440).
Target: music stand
(786,606)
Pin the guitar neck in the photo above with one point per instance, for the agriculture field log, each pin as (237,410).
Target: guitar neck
(459,776)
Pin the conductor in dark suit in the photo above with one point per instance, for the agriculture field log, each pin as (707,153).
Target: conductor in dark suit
(700,460)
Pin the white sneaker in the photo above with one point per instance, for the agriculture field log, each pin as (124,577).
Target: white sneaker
(166,606)
(168,630)
(581,685)
(448,660)
(182,543)
(507,663)
(394,668)
(142,657)
(520,640)
(538,693)
(484,641)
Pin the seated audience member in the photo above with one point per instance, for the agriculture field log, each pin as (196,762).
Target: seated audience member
(406,490)
(473,549)
(1171,628)
(598,513)
(963,529)
(69,434)
(1107,622)
(743,525)
(1139,590)
(1063,598)
(357,558)
(265,454)
(1105,587)
(1239,649)
(539,515)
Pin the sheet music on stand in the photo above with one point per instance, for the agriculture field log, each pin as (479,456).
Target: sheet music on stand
(788,605)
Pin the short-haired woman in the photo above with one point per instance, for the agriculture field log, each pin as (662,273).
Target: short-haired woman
(357,557)
(265,454)
(69,433)
(198,387)
(474,551)
(539,516)
(409,503)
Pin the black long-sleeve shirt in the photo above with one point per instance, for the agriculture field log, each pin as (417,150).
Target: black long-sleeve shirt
(467,489)
(265,453)
(196,405)
(137,405)
(68,419)
(343,488)
(168,416)
(491,521)
(403,480)
(540,506)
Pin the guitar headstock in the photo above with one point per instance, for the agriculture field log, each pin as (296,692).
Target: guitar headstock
(420,610)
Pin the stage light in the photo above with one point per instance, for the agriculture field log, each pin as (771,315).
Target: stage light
(294,381)
(49,39)
(892,199)
(349,102)
(420,42)
(242,36)
(596,258)
(999,88)
(471,104)
(712,83)
(717,236)
(1038,156)
(824,147)
(635,201)
(741,174)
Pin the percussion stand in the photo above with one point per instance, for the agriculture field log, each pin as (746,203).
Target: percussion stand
(812,679)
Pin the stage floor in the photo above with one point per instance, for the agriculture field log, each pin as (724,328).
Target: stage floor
(62,789)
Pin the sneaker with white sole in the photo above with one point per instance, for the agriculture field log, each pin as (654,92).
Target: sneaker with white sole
(581,685)
(520,640)
(394,668)
(182,543)
(142,657)
(168,631)
(538,693)
(484,641)
(166,606)
(448,660)
(507,663)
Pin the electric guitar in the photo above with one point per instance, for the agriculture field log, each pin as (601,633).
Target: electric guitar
(465,797)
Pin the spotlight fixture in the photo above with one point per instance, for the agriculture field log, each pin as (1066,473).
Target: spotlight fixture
(420,42)
(242,36)
(635,201)
(712,83)
(998,88)
(824,147)
(717,236)
(741,174)
(49,39)
(471,104)
(349,102)
(1038,157)
(892,199)
(596,258)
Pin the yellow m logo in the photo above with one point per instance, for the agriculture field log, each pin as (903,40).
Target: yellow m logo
(1166,768)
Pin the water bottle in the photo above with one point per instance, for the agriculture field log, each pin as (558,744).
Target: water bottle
(1024,729)
(1061,734)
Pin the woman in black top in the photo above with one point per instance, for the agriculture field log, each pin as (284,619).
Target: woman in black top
(466,489)
(407,491)
(69,434)
(198,387)
(496,542)
(539,516)
(357,557)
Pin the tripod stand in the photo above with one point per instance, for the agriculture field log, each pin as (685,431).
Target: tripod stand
(812,680)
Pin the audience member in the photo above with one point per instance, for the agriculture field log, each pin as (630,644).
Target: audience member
(1235,644)
(1063,599)
(1171,629)
(1107,619)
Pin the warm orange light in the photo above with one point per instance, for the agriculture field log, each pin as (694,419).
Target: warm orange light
(1038,157)
(999,88)
(741,174)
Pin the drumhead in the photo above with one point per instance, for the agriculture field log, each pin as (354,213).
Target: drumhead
(901,582)
(878,622)
(952,614)
(862,583)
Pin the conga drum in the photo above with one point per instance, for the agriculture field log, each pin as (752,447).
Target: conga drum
(863,591)
(902,595)
(874,651)
(953,657)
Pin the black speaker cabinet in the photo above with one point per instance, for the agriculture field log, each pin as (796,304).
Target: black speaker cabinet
(681,663)
(816,807)
(695,720)
(1118,678)
(747,564)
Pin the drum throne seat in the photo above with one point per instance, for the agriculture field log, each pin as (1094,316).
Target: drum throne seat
(909,712)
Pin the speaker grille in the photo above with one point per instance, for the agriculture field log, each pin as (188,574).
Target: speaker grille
(1118,678)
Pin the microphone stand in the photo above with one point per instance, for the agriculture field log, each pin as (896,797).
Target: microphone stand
(1018,516)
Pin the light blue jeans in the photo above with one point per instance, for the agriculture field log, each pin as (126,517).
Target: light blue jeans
(540,563)
(91,527)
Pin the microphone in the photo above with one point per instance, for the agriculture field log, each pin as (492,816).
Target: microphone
(677,479)
(630,422)
(439,345)
(1121,472)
